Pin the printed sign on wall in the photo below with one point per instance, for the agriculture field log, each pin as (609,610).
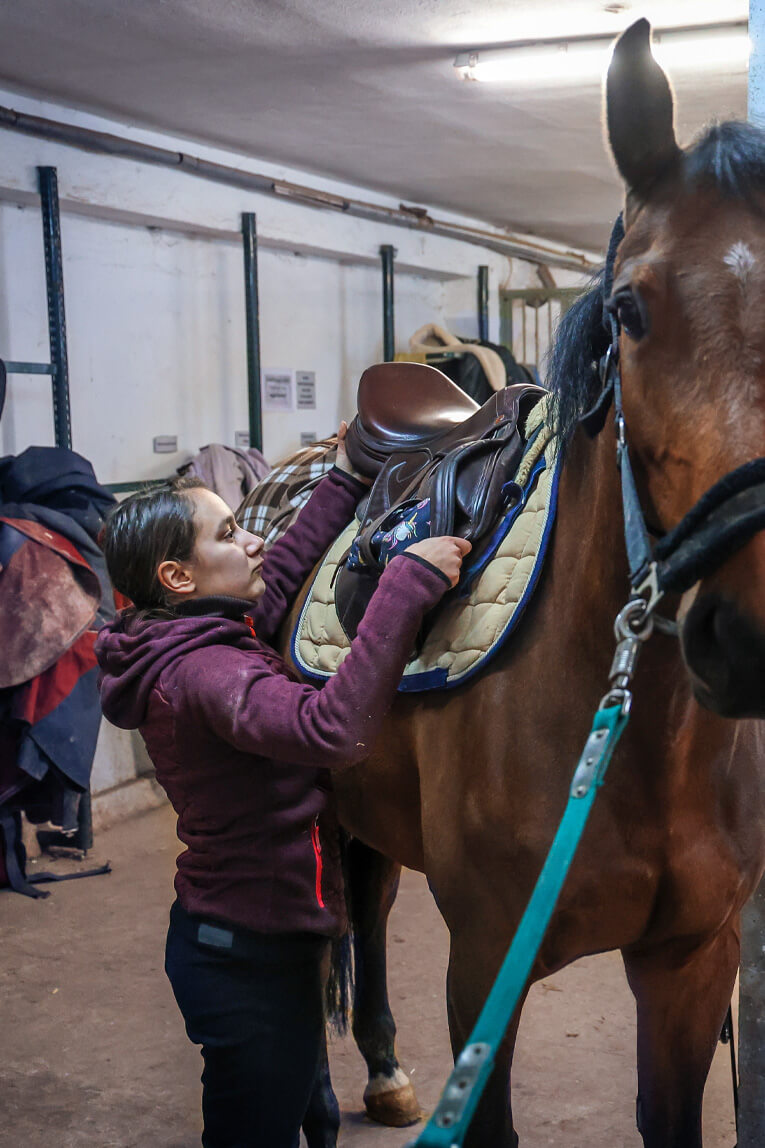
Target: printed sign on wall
(305,385)
(276,388)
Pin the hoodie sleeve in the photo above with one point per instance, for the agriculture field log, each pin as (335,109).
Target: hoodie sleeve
(289,561)
(272,716)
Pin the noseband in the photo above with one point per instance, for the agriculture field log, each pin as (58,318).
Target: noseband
(723,520)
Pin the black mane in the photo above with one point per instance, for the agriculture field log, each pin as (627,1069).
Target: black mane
(580,341)
(731,157)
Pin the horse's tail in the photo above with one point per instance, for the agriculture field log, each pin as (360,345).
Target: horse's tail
(340,983)
(339,991)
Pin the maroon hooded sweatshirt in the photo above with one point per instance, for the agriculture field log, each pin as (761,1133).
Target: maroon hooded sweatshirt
(241,746)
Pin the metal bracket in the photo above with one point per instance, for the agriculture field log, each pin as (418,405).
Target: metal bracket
(649,589)
(470,1064)
(587,769)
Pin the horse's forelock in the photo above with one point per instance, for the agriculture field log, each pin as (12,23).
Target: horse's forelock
(731,155)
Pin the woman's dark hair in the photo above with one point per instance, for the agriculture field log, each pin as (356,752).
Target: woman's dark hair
(148,528)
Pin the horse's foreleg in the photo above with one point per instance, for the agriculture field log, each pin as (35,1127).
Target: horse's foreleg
(681,1006)
(468,985)
(373,880)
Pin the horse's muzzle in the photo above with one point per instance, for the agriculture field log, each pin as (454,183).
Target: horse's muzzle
(725,653)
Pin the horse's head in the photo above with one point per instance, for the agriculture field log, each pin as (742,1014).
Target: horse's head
(689,290)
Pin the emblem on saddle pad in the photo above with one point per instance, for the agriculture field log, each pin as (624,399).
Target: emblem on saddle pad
(479,615)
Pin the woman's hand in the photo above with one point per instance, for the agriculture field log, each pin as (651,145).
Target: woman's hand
(342,461)
(444,552)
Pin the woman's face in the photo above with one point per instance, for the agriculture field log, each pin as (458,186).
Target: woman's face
(226,560)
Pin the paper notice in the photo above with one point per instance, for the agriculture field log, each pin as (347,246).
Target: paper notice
(276,387)
(305,385)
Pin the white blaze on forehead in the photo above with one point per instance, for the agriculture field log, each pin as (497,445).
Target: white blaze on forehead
(740,260)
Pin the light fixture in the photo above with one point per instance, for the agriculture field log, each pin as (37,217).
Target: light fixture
(710,47)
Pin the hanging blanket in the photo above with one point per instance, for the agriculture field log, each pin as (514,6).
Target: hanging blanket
(476,618)
(275,503)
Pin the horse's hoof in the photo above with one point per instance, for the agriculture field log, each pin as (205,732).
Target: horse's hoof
(395,1107)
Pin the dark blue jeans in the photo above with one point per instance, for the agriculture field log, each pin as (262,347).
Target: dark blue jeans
(254,1003)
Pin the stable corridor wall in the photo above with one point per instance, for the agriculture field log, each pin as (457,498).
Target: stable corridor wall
(154,285)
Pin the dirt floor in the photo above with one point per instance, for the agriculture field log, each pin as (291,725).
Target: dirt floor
(93,1052)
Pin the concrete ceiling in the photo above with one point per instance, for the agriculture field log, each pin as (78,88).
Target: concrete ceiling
(365,91)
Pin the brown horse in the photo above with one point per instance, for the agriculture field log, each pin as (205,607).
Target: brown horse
(469,785)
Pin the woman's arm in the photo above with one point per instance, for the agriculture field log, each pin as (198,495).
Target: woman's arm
(269,715)
(289,561)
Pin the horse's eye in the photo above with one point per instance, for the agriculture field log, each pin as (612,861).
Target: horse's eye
(630,315)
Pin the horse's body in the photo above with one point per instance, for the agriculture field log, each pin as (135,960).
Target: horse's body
(469,785)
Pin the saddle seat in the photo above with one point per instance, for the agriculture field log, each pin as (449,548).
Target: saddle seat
(407,406)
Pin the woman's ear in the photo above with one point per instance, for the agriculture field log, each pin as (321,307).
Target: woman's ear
(176,577)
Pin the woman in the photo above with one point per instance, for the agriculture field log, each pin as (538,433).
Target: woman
(244,751)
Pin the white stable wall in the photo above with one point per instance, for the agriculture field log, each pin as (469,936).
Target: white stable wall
(154,285)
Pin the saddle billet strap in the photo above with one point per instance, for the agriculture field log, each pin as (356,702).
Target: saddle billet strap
(458,485)
(443,495)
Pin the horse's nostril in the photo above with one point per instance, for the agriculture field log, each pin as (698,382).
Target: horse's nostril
(699,633)
(701,636)
(725,653)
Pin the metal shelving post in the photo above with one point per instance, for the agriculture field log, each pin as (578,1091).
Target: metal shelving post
(252,313)
(58,367)
(483,303)
(387,253)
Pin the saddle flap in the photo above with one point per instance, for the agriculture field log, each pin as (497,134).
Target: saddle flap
(481,484)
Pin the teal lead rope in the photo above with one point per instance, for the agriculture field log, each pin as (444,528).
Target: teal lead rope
(450,1121)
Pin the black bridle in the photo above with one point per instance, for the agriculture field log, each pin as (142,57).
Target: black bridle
(723,520)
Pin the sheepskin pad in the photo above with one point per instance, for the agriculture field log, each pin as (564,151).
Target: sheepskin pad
(471,625)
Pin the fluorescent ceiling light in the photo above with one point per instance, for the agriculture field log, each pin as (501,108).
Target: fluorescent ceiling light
(716,46)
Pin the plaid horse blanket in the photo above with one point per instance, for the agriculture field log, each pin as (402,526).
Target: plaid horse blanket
(275,502)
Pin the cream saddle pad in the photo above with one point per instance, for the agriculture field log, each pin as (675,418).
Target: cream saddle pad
(474,621)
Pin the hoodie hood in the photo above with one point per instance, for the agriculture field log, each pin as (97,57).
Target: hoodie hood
(133,652)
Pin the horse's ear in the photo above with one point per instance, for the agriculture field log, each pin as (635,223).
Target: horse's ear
(639,108)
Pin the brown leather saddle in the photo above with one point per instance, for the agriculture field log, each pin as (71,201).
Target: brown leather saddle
(419,436)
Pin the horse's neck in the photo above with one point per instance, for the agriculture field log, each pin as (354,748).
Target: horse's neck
(591,585)
(590,550)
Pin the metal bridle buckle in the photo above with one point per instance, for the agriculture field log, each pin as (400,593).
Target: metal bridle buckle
(612,354)
(618,697)
(633,626)
(634,621)
(649,591)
